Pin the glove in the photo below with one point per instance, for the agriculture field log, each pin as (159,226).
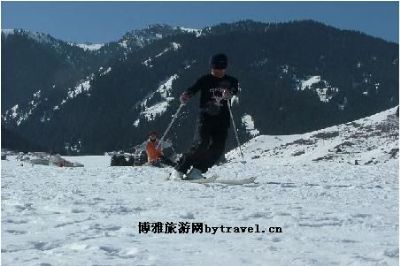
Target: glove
(226,95)
(185,97)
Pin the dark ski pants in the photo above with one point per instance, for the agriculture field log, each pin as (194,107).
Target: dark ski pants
(208,146)
(163,160)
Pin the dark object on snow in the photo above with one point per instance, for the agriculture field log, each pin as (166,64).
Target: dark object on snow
(163,161)
(122,160)
(140,158)
(393,153)
(326,135)
(3,157)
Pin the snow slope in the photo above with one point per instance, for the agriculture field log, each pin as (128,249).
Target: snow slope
(331,211)
(370,140)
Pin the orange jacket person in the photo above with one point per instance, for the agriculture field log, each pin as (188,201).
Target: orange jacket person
(153,154)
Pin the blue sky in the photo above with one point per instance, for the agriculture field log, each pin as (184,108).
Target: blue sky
(100,22)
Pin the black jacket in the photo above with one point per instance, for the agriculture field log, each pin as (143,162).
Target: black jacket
(211,89)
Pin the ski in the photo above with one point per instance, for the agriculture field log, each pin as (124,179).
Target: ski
(211,179)
(215,180)
(243,181)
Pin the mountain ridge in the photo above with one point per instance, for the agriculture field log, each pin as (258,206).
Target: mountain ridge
(342,74)
(183,29)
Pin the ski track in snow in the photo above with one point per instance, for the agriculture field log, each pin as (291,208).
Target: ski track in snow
(330,214)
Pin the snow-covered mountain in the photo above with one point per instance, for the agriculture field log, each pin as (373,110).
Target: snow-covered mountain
(146,36)
(36,36)
(36,61)
(295,78)
(330,210)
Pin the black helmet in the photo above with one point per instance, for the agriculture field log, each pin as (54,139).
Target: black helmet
(219,61)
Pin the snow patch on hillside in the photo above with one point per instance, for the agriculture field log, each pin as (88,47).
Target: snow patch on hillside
(248,122)
(136,123)
(105,72)
(147,62)
(189,64)
(157,109)
(175,46)
(44,118)
(323,89)
(151,112)
(7,32)
(37,94)
(306,84)
(14,111)
(165,88)
(90,47)
(197,32)
(124,44)
(74,148)
(285,69)
(18,114)
(172,47)
(81,88)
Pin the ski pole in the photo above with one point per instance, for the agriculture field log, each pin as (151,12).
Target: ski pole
(170,125)
(235,130)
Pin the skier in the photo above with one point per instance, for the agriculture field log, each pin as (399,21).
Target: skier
(216,90)
(155,155)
